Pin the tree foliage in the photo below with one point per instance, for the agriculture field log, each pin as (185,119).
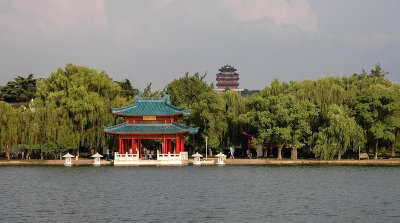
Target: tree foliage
(20,90)
(76,104)
(332,116)
(340,134)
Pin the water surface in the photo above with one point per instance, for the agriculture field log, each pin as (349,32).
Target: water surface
(200,194)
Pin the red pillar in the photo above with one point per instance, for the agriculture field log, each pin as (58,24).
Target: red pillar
(134,145)
(140,147)
(126,149)
(182,144)
(248,144)
(120,146)
(177,145)
(165,145)
(170,145)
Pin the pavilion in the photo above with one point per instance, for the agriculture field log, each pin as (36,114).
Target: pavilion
(150,118)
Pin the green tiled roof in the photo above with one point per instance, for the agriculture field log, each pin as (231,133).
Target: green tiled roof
(148,128)
(150,106)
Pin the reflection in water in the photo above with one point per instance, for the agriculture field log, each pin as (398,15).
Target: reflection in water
(198,194)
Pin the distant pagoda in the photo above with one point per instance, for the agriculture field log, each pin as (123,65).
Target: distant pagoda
(227,78)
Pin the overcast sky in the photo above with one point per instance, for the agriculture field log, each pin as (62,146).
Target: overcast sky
(159,40)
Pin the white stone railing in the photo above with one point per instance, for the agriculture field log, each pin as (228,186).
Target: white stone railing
(173,156)
(168,156)
(184,155)
(126,156)
(163,157)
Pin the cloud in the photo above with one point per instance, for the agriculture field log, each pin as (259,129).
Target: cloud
(124,32)
(52,18)
(297,12)
(375,40)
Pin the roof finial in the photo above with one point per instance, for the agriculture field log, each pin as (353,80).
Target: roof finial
(138,96)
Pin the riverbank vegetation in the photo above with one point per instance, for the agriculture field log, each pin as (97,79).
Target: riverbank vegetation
(328,118)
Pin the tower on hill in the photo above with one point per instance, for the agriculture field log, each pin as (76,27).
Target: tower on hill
(227,78)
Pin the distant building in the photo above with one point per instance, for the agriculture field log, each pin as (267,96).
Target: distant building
(227,78)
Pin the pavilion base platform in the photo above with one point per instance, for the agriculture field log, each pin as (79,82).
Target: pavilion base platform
(162,160)
(203,162)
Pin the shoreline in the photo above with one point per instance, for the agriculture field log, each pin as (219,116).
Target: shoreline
(80,162)
(240,161)
(267,161)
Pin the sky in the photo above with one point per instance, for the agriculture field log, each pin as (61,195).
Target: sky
(160,40)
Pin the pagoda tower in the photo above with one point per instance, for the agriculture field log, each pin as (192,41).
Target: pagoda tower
(227,78)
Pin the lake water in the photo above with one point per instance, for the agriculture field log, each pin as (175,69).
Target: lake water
(200,194)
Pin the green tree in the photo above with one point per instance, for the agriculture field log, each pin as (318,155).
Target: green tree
(192,92)
(77,102)
(8,127)
(20,90)
(374,108)
(342,133)
(148,92)
(127,90)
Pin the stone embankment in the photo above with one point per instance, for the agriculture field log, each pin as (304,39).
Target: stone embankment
(80,162)
(395,161)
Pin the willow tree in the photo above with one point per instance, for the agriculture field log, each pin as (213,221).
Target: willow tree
(8,127)
(25,121)
(81,98)
(38,125)
(341,134)
(234,107)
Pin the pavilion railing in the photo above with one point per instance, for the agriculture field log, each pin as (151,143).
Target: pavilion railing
(126,156)
(184,155)
(172,156)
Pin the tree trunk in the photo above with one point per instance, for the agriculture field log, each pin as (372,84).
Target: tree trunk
(339,156)
(79,144)
(376,150)
(8,152)
(393,149)
(294,154)
(280,150)
(271,145)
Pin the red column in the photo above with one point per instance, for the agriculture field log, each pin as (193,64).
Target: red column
(170,145)
(120,146)
(140,147)
(182,144)
(134,145)
(248,144)
(126,149)
(177,145)
(165,145)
